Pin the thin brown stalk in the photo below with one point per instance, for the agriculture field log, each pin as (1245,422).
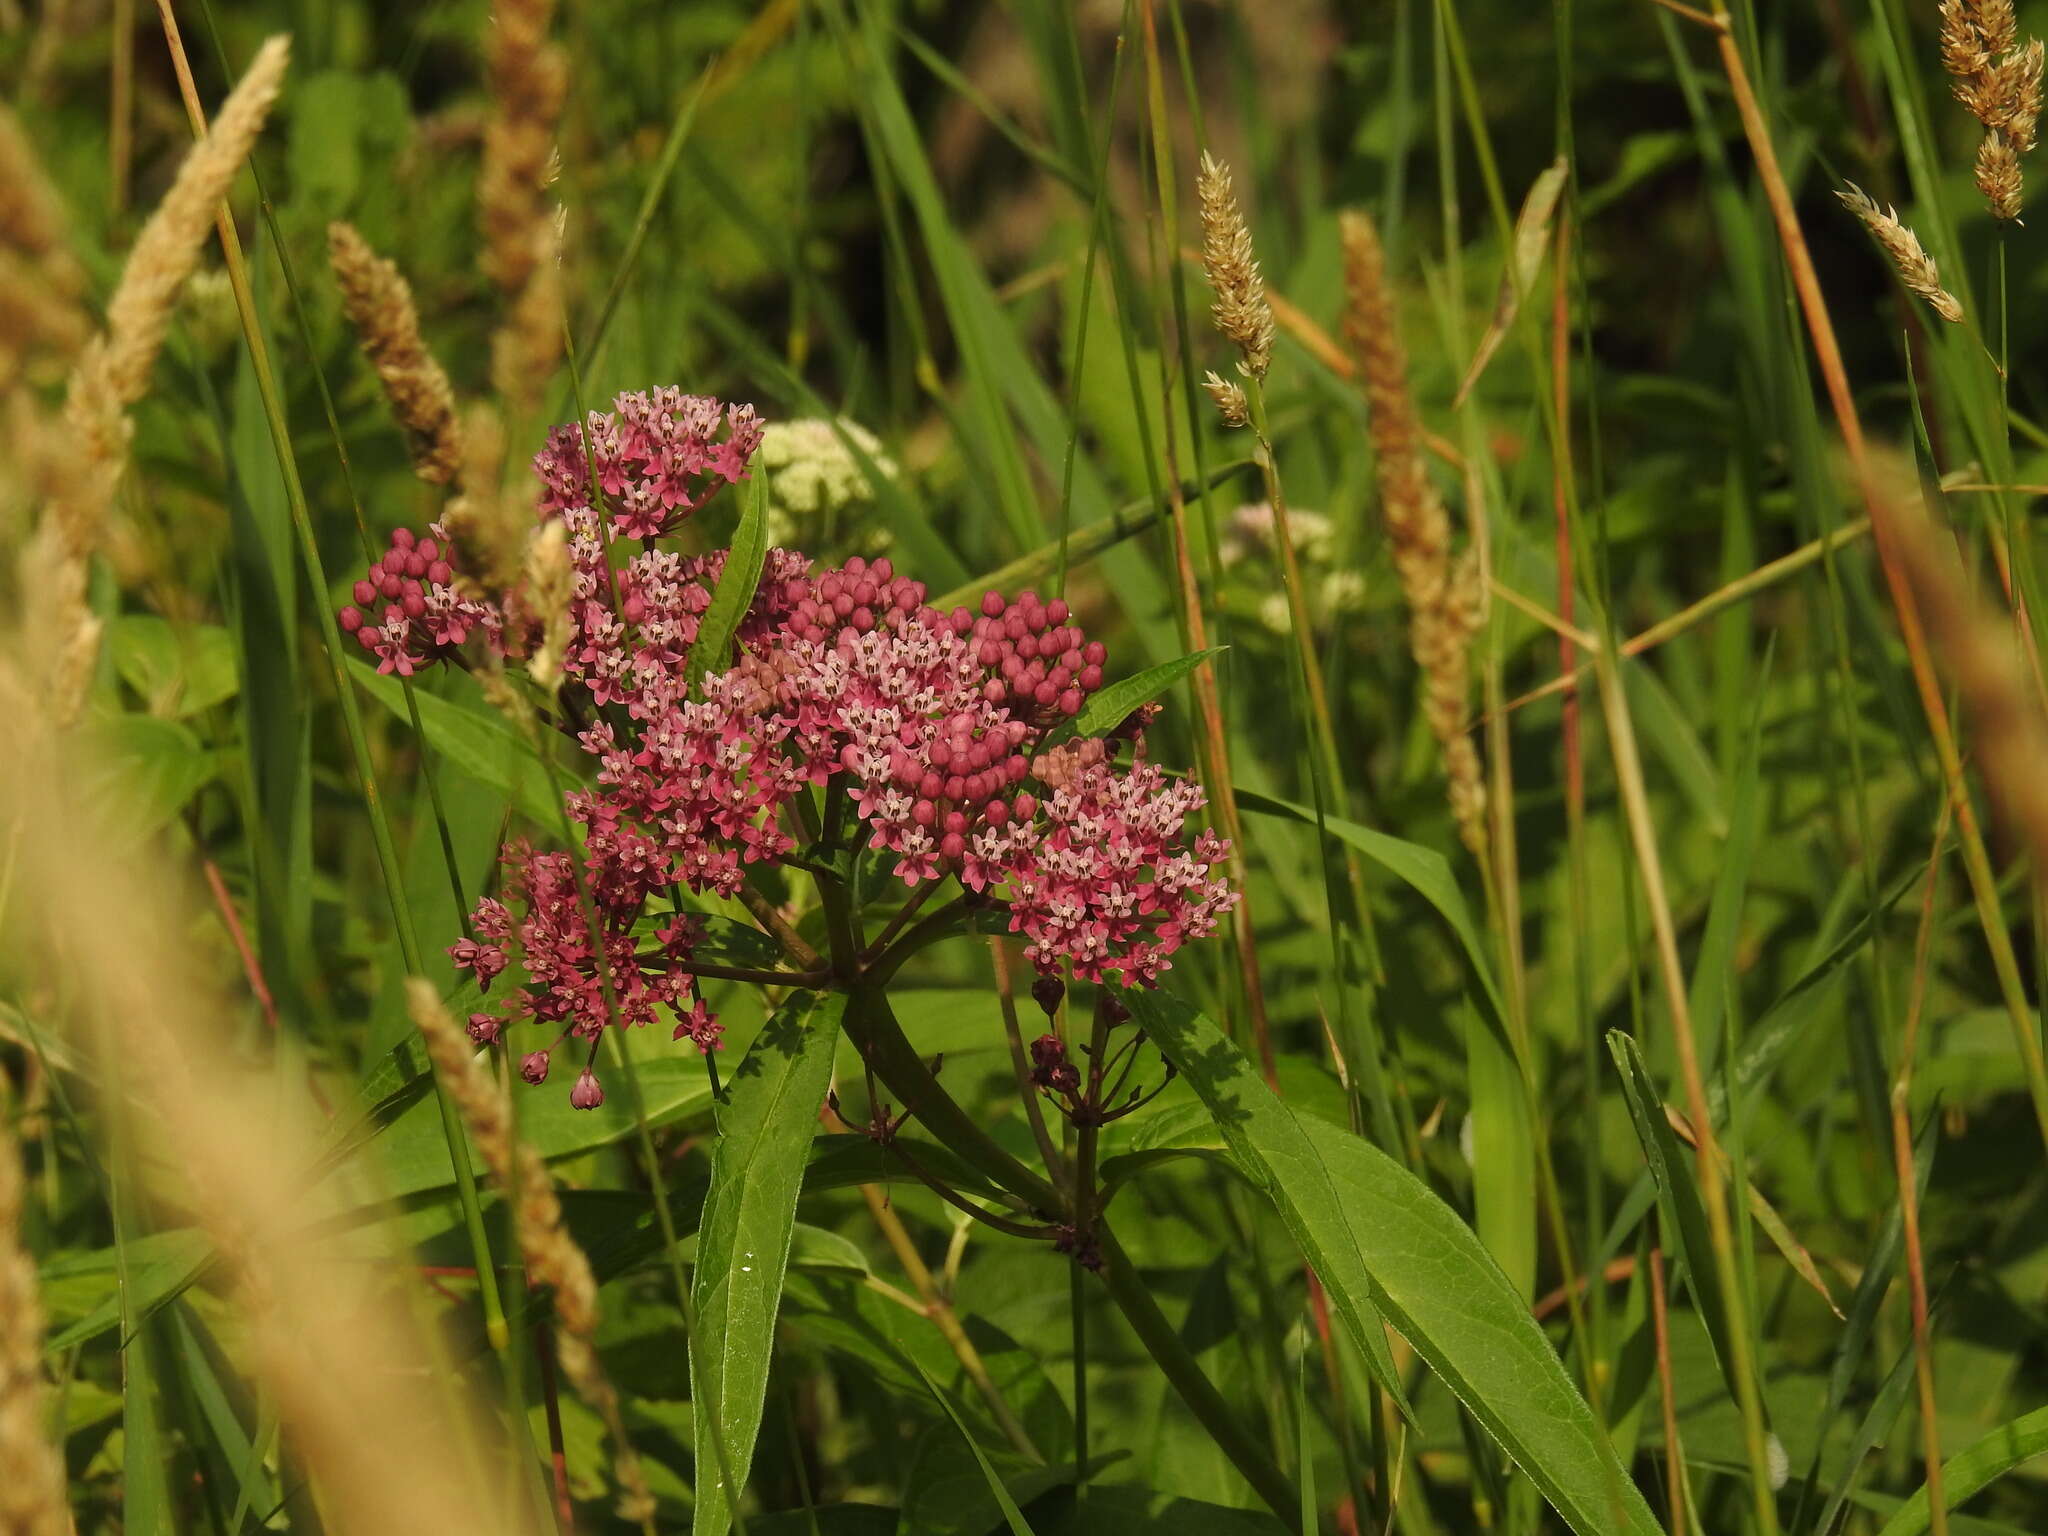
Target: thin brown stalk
(936,1307)
(378,302)
(551,1398)
(1708,1160)
(552,1256)
(1667,1397)
(528,78)
(1884,525)
(1909,1189)
(32,1478)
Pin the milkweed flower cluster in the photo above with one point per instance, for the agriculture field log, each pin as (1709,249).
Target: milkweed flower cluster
(944,734)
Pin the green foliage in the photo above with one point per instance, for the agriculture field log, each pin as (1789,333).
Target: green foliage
(1376,1255)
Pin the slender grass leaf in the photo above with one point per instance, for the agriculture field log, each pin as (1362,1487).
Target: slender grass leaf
(1870,1434)
(1532,238)
(1012,1515)
(1382,1242)
(1685,1218)
(1968,1473)
(744,1241)
(1424,870)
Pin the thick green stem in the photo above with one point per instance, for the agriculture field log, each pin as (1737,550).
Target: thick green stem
(874,1030)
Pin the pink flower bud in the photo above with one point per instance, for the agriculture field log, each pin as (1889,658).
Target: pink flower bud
(587,1094)
(534,1068)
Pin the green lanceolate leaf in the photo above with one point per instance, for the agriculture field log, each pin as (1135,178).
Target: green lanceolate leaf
(1384,1244)
(1109,707)
(734,594)
(744,1241)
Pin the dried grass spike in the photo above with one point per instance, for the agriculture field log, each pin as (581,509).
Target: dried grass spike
(1241,311)
(528,79)
(1443,594)
(1998,175)
(1915,267)
(113,371)
(168,247)
(379,304)
(1230,399)
(550,585)
(551,1254)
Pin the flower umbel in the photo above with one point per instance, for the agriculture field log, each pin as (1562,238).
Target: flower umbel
(851,705)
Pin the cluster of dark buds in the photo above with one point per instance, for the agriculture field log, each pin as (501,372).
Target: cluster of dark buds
(849,712)
(1095,1098)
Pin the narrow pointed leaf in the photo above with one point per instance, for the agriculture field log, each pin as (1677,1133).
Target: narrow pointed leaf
(734,594)
(1532,234)
(1969,1472)
(743,1243)
(1383,1243)
(1108,708)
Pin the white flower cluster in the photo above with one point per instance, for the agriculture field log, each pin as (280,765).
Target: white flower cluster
(815,480)
(1248,538)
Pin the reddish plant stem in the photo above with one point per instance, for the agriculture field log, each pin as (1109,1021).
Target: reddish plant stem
(1674,1464)
(558,1461)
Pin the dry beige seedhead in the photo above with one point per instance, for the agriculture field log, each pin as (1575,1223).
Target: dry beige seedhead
(551,1255)
(32,1480)
(522,238)
(113,372)
(1915,267)
(1998,79)
(1444,595)
(1240,309)
(378,302)
(1229,396)
(377,1431)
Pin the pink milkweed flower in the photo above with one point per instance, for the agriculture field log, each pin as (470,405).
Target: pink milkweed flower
(588,1092)
(534,1068)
